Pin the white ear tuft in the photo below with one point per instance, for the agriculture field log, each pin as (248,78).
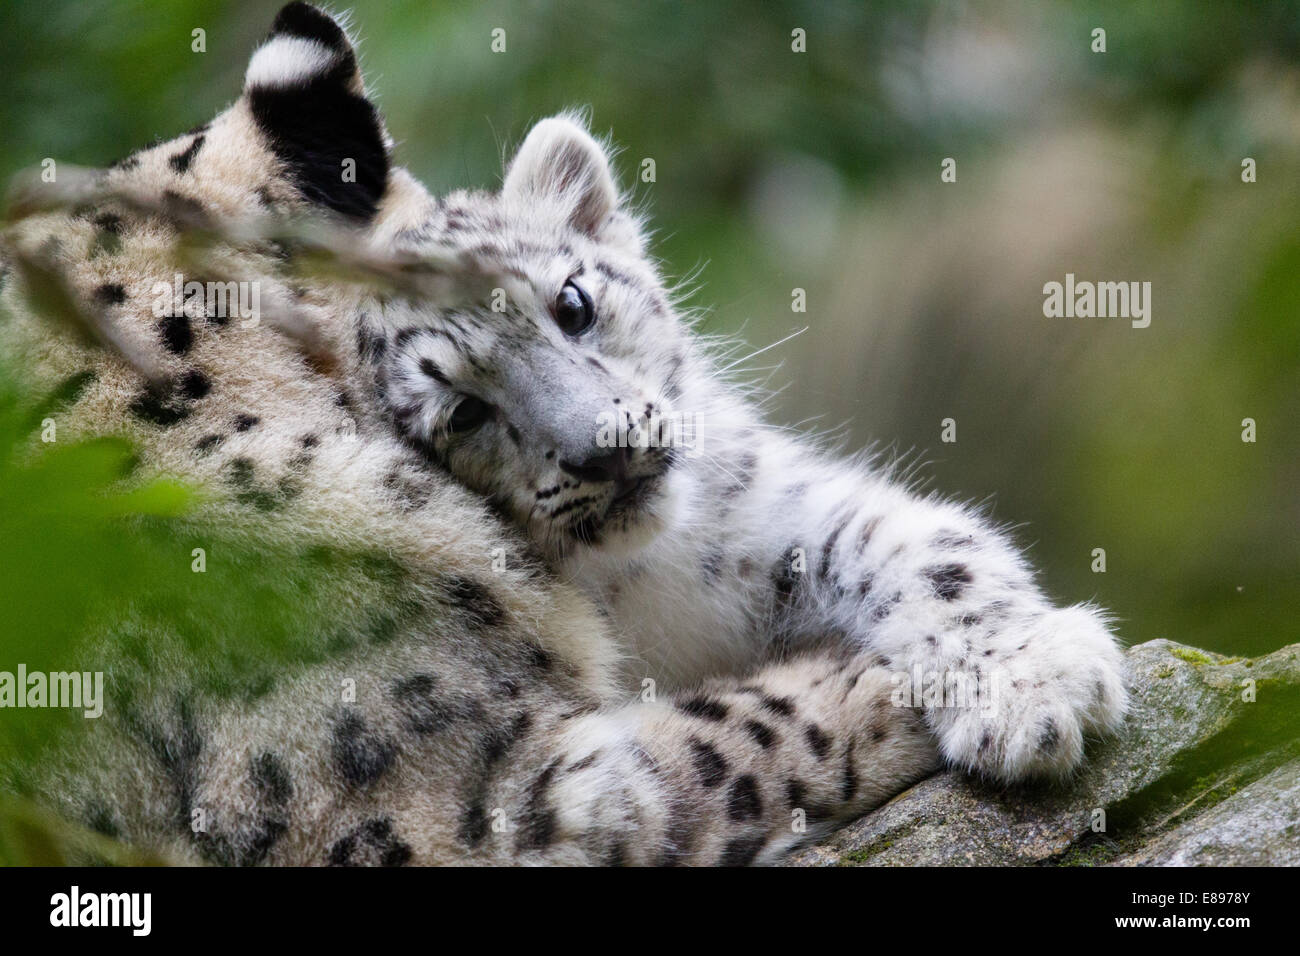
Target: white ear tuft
(289,61)
(560,162)
(306,46)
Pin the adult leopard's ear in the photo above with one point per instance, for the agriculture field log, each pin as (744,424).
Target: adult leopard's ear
(561,164)
(307,97)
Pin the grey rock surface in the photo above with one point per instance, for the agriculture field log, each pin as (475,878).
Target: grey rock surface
(1205,771)
(1258,825)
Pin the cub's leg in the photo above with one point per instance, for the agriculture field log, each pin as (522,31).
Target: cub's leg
(738,772)
(1010,683)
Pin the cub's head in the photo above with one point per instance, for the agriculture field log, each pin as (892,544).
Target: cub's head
(559,396)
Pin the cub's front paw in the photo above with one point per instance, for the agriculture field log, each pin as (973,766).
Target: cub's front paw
(1046,683)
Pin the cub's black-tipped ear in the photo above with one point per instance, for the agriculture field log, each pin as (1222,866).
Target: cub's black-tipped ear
(560,162)
(306,95)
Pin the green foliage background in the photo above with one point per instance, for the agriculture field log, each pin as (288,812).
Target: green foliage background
(820,170)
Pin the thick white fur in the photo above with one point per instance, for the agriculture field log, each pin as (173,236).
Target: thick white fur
(589,770)
(746,497)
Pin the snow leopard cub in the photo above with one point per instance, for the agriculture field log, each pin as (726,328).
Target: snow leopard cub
(746,547)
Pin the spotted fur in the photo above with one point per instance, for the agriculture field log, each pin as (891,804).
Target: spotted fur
(465,710)
(748,543)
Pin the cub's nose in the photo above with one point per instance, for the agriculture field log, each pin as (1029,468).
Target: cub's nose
(608,466)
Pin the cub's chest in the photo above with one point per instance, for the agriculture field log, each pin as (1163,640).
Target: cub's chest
(683,615)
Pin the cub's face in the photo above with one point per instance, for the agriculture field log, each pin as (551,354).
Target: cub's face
(559,397)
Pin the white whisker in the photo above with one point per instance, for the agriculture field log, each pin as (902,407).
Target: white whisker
(763,349)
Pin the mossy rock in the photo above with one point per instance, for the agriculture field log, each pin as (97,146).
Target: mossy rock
(1205,770)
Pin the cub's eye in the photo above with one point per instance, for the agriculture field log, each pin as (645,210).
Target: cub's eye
(574,312)
(469,414)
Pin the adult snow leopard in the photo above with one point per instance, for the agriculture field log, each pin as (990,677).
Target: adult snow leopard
(452,709)
(497,717)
